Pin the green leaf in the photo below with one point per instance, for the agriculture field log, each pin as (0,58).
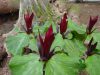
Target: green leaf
(46,25)
(96,37)
(80,45)
(80,29)
(43,28)
(80,37)
(54,27)
(74,48)
(33,45)
(93,65)
(58,43)
(16,43)
(36,28)
(26,65)
(69,36)
(61,64)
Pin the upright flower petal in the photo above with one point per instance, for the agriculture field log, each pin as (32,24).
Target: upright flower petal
(49,35)
(28,20)
(94,46)
(49,38)
(90,43)
(46,44)
(91,48)
(41,40)
(91,24)
(41,46)
(63,24)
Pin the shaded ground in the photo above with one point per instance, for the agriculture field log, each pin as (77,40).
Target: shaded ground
(7,21)
(90,9)
(6,24)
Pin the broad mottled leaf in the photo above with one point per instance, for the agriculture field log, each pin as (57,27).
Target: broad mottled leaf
(80,45)
(58,43)
(36,29)
(33,45)
(26,65)
(74,48)
(69,36)
(16,43)
(80,29)
(45,27)
(61,64)
(54,27)
(93,65)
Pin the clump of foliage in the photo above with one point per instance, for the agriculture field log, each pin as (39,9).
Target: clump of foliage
(55,49)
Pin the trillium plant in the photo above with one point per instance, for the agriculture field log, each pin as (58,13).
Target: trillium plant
(55,49)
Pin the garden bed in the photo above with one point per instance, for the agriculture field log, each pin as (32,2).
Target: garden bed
(8,21)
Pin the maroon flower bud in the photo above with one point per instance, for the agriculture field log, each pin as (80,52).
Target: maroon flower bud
(28,20)
(45,44)
(63,24)
(91,24)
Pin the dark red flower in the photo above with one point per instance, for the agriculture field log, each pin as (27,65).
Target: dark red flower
(45,44)
(63,24)
(91,48)
(28,20)
(91,24)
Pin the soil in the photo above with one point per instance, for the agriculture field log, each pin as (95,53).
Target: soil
(7,22)
(87,10)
